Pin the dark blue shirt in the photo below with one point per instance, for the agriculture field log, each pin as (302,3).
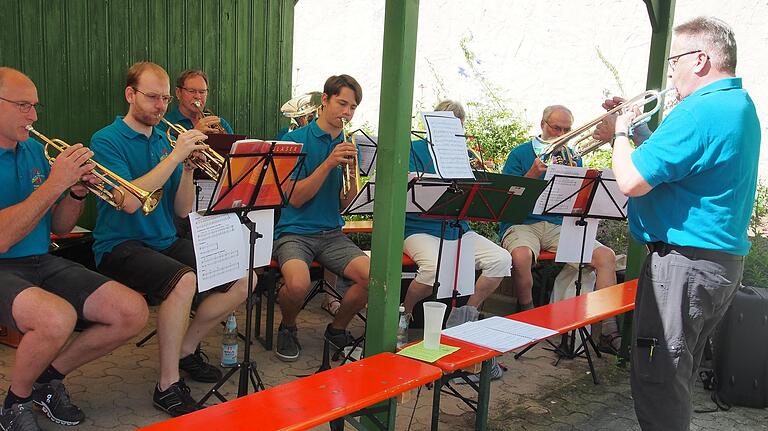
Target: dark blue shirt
(130,155)
(22,171)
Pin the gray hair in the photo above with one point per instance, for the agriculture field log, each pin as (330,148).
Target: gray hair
(715,38)
(453,106)
(552,108)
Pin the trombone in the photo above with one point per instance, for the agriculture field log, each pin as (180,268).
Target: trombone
(346,179)
(115,196)
(215,126)
(585,143)
(213,162)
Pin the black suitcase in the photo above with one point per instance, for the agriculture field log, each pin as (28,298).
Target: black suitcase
(741,350)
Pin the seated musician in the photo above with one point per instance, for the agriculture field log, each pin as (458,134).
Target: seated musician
(422,241)
(42,295)
(143,251)
(542,232)
(301,110)
(192,92)
(309,228)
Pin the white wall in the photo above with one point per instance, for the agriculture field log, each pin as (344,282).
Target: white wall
(538,53)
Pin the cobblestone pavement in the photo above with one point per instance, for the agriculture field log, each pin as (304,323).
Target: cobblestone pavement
(115,391)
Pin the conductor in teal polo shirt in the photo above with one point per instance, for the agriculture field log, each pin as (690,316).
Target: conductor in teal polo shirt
(310,225)
(42,296)
(143,251)
(692,187)
(192,93)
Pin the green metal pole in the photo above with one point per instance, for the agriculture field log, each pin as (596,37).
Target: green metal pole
(661,14)
(398,64)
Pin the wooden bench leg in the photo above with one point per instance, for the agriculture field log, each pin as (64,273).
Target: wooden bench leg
(437,389)
(483,397)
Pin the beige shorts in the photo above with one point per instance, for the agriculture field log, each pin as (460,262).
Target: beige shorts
(539,236)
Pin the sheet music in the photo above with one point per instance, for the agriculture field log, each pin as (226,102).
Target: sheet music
(560,189)
(265,225)
(571,237)
(424,196)
(220,250)
(367,153)
(204,194)
(466,278)
(499,333)
(449,147)
(602,205)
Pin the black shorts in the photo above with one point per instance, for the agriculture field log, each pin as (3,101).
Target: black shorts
(69,280)
(151,272)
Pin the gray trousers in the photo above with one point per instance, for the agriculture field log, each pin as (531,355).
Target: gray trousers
(682,294)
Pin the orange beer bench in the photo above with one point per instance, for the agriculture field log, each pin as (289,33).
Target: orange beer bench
(340,394)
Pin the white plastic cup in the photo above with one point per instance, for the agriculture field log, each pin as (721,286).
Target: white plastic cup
(433,324)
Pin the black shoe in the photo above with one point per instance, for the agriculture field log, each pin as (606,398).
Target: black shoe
(338,340)
(175,400)
(198,368)
(288,347)
(19,417)
(54,399)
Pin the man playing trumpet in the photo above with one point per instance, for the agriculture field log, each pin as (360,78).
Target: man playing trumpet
(42,295)
(144,252)
(192,92)
(310,226)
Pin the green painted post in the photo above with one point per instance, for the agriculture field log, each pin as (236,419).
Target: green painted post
(398,64)
(661,14)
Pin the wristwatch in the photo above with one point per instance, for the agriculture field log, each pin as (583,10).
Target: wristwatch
(76,197)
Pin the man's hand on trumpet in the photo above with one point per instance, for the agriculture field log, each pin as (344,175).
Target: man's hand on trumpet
(206,124)
(537,169)
(70,167)
(342,154)
(187,143)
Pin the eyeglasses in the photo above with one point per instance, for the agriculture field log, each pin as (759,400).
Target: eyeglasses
(195,92)
(155,97)
(558,129)
(24,107)
(675,58)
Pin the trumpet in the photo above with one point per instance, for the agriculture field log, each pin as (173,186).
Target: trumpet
(215,126)
(346,179)
(114,197)
(584,142)
(213,162)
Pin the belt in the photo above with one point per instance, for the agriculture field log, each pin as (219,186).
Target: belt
(663,249)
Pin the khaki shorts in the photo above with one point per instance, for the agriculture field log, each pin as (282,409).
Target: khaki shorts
(539,236)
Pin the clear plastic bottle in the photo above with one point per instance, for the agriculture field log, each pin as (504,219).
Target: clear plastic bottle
(229,343)
(402,328)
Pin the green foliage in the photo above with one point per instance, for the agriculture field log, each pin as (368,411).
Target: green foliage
(497,131)
(600,159)
(756,262)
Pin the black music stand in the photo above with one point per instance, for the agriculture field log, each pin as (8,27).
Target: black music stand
(592,183)
(250,185)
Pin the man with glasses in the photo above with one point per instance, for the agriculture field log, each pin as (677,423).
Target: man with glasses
(143,251)
(43,296)
(692,187)
(192,93)
(542,232)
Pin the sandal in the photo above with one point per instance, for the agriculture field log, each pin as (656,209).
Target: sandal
(332,306)
(610,343)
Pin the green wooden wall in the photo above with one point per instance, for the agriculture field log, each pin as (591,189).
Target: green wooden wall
(78,51)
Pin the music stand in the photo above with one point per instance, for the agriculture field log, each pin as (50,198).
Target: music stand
(260,177)
(591,183)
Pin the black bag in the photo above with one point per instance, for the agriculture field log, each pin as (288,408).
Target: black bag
(741,350)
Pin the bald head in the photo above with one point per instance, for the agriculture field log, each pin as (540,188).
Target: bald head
(11,77)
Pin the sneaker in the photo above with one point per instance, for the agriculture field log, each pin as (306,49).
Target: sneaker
(338,340)
(19,417)
(199,369)
(54,399)
(495,374)
(175,400)
(288,347)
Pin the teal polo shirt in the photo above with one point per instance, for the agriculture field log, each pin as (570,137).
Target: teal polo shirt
(518,163)
(131,155)
(176,117)
(322,212)
(421,161)
(22,171)
(702,164)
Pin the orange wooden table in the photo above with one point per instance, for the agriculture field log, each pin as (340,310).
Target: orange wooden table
(313,400)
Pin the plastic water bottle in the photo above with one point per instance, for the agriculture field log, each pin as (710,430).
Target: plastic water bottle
(229,343)
(402,329)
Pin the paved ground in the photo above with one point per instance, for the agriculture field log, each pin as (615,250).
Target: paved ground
(115,392)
